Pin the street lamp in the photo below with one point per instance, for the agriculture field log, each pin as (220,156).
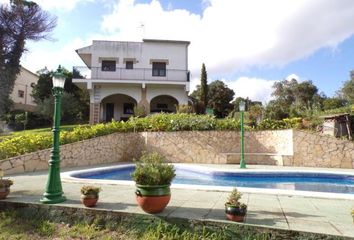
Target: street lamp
(54,193)
(242,161)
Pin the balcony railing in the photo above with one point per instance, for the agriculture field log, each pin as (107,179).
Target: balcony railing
(144,74)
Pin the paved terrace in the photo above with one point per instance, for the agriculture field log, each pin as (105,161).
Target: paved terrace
(307,214)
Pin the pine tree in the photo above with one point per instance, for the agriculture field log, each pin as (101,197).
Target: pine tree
(204,87)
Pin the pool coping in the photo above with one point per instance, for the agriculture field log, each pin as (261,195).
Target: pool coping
(67,177)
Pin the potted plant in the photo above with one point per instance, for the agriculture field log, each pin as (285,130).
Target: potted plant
(89,195)
(4,185)
(234,209)
(153,177)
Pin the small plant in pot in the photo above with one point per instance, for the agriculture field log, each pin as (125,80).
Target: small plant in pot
(4,185)
(90,195)
(153,177)
(234,209)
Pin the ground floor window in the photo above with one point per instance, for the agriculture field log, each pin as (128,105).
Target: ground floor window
(128,108)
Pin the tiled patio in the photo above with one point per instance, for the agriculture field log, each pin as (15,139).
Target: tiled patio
(308,214)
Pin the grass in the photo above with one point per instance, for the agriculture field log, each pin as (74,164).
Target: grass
(17,224)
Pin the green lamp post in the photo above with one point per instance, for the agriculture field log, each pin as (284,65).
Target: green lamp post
(53,192)
(242,161)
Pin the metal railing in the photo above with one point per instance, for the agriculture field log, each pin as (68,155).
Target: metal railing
(145,74)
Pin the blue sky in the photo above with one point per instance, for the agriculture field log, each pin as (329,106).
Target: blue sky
(247,44)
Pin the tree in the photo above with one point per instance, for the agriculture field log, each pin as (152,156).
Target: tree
(204,87)
(42,94)
(333,103)
(293,99)
(347,91)
(20,21)
(220,96)
(70,108)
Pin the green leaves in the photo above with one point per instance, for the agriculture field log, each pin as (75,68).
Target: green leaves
(152,169)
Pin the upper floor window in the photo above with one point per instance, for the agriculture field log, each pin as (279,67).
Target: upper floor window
(21,94)
(129,65)
(108,66)
(159,69)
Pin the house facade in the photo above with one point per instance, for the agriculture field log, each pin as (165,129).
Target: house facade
(152,74)
(21,93)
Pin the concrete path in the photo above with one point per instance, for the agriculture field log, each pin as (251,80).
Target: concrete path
(328,216)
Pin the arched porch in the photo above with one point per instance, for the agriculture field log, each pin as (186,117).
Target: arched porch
(163,103)
(118,107)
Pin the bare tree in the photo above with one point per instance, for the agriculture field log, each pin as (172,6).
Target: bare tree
(19,21)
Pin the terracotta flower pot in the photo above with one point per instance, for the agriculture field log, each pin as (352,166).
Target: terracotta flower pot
(4,192)
(153,199)
(235,214)
(89,200)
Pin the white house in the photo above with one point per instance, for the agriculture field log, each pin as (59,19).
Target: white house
(120,75)
(21,93)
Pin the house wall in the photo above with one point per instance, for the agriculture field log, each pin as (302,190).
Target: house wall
(23,82)
(143,53)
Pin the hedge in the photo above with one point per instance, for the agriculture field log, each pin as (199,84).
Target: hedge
(15,146)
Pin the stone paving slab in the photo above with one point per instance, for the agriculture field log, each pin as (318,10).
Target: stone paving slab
(328,216)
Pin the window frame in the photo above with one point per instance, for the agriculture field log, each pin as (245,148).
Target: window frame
(129,65)
(128,108)
(110,67)
(21,94)
(159,69)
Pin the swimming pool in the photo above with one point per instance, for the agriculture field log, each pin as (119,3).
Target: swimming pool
(216,179)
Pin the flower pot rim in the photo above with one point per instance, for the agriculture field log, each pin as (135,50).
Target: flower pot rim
(152,186)
(89,195)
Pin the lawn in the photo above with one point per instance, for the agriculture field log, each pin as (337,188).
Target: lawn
(32,225)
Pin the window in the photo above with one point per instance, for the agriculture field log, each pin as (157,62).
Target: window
(108,66)
(129,65)
(21,94)
(159,69)
(128,108)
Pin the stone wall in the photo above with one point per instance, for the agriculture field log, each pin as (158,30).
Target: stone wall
(211,146)
(117,147)
(315,150)
(282,147)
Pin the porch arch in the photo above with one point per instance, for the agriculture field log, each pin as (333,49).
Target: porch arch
(117,106)
(163,103)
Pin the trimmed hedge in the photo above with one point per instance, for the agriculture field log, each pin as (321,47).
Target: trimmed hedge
(14,146)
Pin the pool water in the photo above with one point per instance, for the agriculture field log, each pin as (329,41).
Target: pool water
(288,180)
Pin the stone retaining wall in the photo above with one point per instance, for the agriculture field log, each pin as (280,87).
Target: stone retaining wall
(211,146)
(117,147)
(296,148)
(315,150)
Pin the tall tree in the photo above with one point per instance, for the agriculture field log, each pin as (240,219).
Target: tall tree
(220,97)
(20,21)
(204,86)
(294,99)
(347,91)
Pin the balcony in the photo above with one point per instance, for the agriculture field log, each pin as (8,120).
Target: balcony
(136,74)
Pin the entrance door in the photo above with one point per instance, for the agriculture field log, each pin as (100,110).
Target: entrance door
(109,111)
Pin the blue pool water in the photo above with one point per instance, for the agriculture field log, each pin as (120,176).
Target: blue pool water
(304,181)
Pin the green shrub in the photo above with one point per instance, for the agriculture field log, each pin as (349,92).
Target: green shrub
(152,169)
(18,145)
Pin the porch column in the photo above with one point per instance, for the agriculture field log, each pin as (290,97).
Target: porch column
(144,102)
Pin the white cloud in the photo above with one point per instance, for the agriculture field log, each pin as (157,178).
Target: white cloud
(293,76)
(231,35)
(65,55)
(228,36)
(256,89)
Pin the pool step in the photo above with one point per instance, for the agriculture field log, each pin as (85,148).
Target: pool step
(254,158)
